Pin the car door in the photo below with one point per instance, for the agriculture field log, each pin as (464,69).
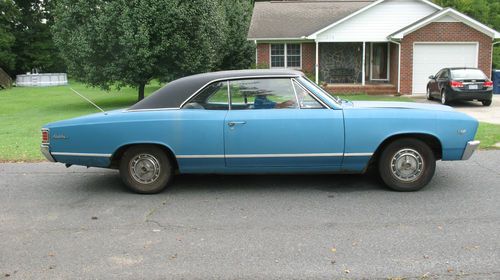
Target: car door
(277,122)
(198,130)
(442,80)
(433,84)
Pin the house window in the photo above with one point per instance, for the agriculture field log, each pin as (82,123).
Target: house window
(286,56)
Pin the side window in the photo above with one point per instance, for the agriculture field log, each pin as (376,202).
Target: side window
(444,75)
(262,94)
(438,75)
(306,101)
(212,97)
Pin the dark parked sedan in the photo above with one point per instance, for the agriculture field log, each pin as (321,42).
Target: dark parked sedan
(451,84)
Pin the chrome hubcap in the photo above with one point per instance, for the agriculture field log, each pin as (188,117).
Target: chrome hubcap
(145,168)
(443,98)
(407,165)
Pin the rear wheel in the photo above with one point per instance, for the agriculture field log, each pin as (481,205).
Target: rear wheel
(486,102)
(146,169)
(407,165)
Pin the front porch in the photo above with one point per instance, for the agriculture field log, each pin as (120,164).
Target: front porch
(358,67)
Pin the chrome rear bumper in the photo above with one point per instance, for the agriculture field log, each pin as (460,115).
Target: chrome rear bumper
(470,149)
(45,151)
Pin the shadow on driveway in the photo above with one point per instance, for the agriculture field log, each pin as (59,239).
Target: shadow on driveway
(110,182)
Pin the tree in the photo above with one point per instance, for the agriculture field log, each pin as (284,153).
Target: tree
(487,12)
(130,42)
(238,52)
(9,13)
(33,46)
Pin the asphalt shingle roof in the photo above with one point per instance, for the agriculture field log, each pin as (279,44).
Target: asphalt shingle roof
(294,19)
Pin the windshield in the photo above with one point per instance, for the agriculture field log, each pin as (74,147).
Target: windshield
(317,90)
(468,74)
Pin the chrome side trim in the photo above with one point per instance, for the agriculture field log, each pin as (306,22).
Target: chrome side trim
(470,148)
(284,155)
(200,156)
(358,154)
(81,154)
(276,155)
(46,153)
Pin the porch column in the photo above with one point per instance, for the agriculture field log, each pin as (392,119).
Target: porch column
(316,66)
(363,66)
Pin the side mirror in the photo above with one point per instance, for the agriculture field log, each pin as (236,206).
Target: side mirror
(431,77)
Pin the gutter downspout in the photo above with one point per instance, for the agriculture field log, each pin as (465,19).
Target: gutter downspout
(492,51)
(399,63)
(256,55)
(316,66)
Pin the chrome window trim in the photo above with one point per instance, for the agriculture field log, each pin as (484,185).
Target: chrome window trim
(152,109)
(335,99)
(228,79)
(228,95)
(312,94)
(296,96)
(234,78)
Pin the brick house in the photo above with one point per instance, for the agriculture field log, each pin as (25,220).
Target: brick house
(369,46)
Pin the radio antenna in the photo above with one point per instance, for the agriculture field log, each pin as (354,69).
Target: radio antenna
(88,100)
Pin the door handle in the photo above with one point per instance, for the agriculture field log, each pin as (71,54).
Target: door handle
(232,124)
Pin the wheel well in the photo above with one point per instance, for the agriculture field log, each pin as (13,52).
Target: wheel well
(432,141)
(117,155)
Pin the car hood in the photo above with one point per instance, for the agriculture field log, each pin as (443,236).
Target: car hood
(396,105)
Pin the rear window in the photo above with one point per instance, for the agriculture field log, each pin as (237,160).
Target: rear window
(468,74)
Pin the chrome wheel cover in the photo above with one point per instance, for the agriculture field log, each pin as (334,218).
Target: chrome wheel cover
(443,98)
(407,165)
(428,93)
(144,168)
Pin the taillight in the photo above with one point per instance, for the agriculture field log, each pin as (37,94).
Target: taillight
(45,136)
(456,84)
(488,84)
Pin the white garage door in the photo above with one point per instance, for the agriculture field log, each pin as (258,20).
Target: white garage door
(429,58)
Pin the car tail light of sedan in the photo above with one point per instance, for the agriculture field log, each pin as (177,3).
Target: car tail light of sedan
(488,84)
(45,137)
(456,84)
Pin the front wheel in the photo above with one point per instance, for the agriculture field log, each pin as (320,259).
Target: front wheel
(429,94)
(407,165)
(146,169)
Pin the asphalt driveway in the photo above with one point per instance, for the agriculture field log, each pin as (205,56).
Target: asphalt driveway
(79,223)
(489,114)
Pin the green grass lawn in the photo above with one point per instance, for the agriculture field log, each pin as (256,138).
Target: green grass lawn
(376,98)
(23,111)
(489,135)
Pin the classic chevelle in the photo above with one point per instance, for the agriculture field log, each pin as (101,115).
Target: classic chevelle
(261,121)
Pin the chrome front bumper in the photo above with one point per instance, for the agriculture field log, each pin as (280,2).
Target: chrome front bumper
(45,151)
(470,149)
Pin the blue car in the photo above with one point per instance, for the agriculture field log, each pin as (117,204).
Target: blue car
(257,122)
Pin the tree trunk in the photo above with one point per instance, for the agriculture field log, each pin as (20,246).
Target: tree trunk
(141,91)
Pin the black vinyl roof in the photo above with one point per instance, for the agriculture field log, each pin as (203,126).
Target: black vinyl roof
(176,92)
